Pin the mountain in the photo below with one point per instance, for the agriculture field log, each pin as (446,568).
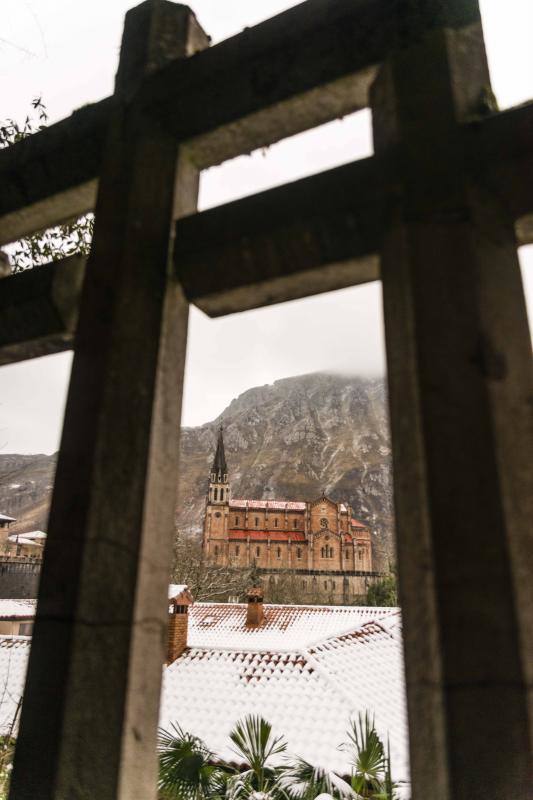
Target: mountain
(26,483)
(290,440)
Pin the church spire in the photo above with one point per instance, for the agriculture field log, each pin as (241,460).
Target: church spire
(219,485)
(219,464)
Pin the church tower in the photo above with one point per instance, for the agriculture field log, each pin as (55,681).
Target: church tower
(218,482)
(216,523)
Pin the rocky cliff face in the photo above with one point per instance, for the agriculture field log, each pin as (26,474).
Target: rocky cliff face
(290,440)
(26,483)
(294,439)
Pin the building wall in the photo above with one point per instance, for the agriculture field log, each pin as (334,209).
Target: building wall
(16,627)
(316,587)
(19,580)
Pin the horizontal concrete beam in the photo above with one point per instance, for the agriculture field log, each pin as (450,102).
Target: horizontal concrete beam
(314,235)
(304,67)
(299,69)
(500,150)
(51,177)
(39,310)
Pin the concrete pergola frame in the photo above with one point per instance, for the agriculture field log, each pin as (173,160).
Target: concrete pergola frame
(437,214)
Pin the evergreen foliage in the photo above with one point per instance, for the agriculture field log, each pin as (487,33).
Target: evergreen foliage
(72,237)
(189,771)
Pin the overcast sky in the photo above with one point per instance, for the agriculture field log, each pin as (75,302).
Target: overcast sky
(67,53)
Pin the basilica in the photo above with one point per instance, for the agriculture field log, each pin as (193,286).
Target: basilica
(319,543)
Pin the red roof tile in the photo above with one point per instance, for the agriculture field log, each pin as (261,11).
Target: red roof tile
(275,536)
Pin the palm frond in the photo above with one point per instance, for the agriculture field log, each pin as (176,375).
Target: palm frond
(254,741)
(304,781)
(368,753)
(186,769)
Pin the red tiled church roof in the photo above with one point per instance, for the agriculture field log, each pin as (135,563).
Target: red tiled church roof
(274,536)
(269,505)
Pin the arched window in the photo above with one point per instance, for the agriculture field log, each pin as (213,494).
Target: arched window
(258,551)
(279,552)
(322,552)
(222,494)
(216,494)
(298,552)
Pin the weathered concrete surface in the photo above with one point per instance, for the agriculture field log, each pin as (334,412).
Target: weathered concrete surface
(89,720)
(39,310)
(306,66)
(314,235)
(459,371)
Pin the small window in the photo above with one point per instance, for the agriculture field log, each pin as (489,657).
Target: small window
(216,494)
(298,552)
(237,548)
(276,522)
(325,584)
(236,520)
(258,551)
(360,555)
(348,552)
(296,523)
(216,549)
(332,584)
(257,522)
(279,552)
(322,552)
(222,494)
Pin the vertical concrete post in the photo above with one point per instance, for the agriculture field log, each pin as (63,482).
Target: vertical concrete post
(459,371)
(89,719)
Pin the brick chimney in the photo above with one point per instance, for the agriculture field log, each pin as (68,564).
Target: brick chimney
(179,600)
(254,612)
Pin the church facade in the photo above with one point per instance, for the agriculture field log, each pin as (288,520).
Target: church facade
(318,545)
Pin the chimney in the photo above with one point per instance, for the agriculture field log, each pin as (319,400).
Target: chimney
(179,600)
(254,612)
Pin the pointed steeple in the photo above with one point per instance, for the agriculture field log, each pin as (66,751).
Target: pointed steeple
(219,488)
(219,464)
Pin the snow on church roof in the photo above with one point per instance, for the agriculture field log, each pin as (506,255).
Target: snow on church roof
(309,671)
(269,505)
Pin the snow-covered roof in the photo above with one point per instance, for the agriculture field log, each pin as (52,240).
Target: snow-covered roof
(4,518)
(308,673)
(268,505)
(31,535)
(309,670)
(26,538)
(174,589)
(17,609)
(223,625)
(14,652)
